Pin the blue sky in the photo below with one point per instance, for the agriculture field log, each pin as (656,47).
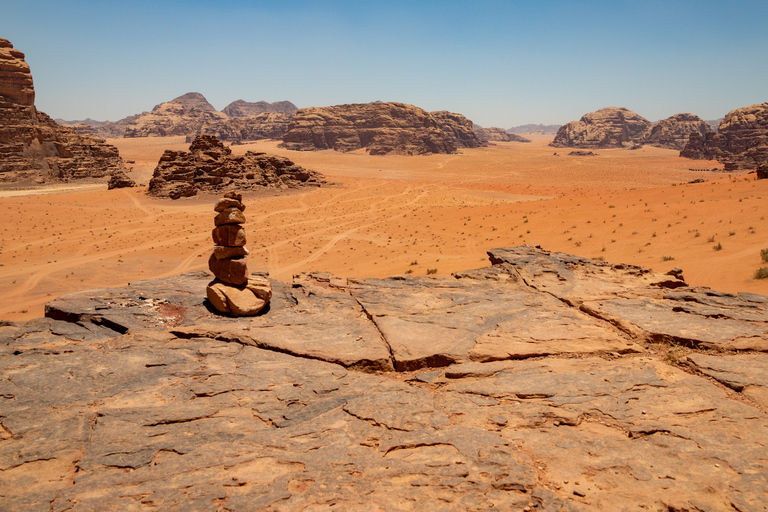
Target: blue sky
(500,63)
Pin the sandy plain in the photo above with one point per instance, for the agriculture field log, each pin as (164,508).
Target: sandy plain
(391,215)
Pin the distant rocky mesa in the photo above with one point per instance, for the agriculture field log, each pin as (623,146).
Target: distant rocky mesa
(209,166)
(618,127)
(381,128)
(33,147)
(741,141)
(497,135)
(191,115)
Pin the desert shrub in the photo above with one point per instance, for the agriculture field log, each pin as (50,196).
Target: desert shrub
(761,273)
(718,247)
(414,262)
(667,258)
(431,271)
(764,255)
(710,239)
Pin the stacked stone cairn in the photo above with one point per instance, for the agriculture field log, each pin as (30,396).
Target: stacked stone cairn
(234,291)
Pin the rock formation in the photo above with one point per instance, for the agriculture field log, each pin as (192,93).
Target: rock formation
(33,148)
(741,141)
(380,128)
(234,291)
(610,127)
(674,132)
(240,108)
(180,116)
(543,382)
(243,129)
(210,167)
(497,135)
(535,128)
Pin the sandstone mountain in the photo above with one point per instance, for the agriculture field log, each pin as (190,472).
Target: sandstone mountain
(741,141)
(381,128)
(240,108)
(543,382)
(33,147)
(180,116)
(610,127)
(674,132)
(497,135)
(210,167)
(241,129)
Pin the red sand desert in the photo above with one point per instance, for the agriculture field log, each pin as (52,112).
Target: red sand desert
(389,215)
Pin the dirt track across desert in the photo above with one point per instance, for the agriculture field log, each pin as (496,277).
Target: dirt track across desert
(392,215)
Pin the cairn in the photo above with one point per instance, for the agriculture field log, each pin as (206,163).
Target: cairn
(234,291)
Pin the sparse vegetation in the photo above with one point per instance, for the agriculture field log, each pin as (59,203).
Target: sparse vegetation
(718,247)
(764,255)
(431,271)
(761,273)
(667,258)
(414,262)
(711,239)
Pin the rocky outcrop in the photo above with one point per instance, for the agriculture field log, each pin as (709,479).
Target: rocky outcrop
(244,129)
(240,108)
(497,135)
(535,128)
(611,127)
(674,132)
(458,128)
(380,128)
(180,116)
(33,147)
(210,167)
(543,382)
(741,141)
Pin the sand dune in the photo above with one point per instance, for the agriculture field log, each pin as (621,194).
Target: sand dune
(390,215)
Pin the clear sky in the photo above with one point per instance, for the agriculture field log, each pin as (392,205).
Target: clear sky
(500,63)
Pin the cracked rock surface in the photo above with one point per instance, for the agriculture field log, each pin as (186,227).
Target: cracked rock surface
(543,382)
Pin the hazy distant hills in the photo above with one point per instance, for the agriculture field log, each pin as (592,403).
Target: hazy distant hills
(535,128)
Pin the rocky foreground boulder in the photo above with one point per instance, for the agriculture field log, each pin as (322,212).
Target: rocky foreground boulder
(610,127)
(543,382)
(210,167)
(33,147)
(381,128)
(741,141)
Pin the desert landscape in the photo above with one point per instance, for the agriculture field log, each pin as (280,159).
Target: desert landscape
(372,305)
(389,215)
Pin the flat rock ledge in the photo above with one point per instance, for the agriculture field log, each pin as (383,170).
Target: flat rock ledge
(542,382)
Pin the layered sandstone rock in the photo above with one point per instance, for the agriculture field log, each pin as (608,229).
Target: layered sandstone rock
(610,127)
(209,166)
(497,135)
(543,382)
(243,129)
(180,116)
(741,141)
(240,108)
(234,291)
(33,147)
(380,128)
(457,128)
(674,132)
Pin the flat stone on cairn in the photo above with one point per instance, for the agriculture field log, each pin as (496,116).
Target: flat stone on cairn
(234,291)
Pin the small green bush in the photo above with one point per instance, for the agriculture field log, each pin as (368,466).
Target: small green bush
(718,247)
(761,273)
(431,271)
